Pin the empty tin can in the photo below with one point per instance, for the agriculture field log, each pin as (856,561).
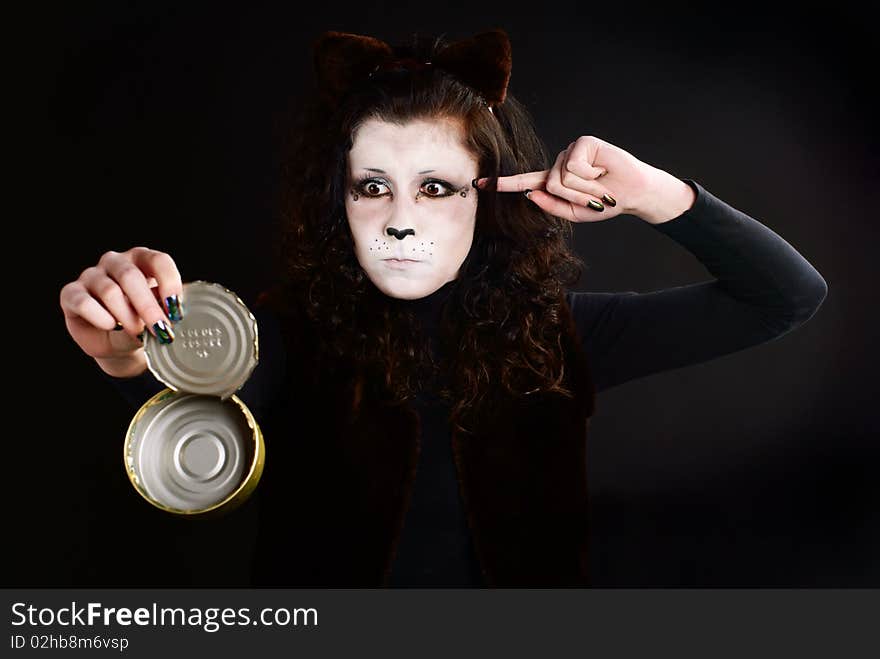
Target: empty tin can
(195,448)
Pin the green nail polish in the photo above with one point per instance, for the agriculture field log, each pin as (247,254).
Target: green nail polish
(595,205)
(174,308)
(608,199)
(163,332)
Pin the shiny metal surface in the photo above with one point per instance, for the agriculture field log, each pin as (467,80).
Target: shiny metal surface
(215,347)
(188,453)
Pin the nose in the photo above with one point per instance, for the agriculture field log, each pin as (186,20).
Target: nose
(400,235)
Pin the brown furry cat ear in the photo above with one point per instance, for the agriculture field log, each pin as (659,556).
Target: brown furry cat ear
(483,62)
(341,59)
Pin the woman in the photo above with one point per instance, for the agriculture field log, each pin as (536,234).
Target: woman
(422,323)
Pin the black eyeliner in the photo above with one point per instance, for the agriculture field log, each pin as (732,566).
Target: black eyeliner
(361,182)
(446,184)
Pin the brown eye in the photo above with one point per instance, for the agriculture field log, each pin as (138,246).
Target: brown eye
(436,189)
(371,188)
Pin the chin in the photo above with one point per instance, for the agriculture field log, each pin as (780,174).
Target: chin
(403,288)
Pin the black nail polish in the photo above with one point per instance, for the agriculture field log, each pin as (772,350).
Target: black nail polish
(118,327)
(595,205)
(174,308)
(163,332)
(474,183)
(526,192)
(608,199)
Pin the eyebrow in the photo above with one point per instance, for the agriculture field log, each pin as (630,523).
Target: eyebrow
(382,171)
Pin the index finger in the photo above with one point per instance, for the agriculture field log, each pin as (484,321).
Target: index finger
(161,267)
(523,182)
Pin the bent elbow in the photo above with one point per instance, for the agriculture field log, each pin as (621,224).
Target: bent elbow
(801,309)
(811,301)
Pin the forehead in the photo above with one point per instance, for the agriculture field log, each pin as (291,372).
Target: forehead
(441,141)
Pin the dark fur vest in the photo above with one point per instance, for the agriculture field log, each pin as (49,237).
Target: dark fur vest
(340,467)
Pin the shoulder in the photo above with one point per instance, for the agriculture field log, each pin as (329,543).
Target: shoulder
(588,304)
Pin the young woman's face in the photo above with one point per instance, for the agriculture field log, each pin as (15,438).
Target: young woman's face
(410,204)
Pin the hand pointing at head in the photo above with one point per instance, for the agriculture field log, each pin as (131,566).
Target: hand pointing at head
(594,180)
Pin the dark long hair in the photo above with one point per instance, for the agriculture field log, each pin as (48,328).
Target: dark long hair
(502,318)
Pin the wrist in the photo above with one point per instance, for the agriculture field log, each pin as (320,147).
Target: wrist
(668,198)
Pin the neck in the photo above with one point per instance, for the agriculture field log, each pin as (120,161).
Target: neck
(430,303)
(427,309)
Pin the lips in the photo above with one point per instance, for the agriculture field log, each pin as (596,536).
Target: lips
(400,264)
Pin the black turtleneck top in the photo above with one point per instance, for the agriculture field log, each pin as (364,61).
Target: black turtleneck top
(435,546)
(763,288)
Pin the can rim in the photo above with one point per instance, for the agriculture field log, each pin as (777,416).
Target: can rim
(231,500)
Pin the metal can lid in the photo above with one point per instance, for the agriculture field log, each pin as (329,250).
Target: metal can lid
(215,346)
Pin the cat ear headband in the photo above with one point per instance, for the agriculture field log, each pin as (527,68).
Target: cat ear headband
(482,62)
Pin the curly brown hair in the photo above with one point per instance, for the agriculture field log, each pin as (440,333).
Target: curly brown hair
(502,319)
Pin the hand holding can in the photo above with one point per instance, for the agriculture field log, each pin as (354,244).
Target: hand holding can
(113,302)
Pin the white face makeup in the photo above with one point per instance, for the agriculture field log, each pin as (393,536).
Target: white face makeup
(410,204)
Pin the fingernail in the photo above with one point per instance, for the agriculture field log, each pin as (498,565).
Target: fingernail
(527,192)
(595,205)
(118,326)
(608,199)
(174,308)
(474,183)
(163,332)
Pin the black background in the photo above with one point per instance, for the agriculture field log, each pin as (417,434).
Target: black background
(159,125)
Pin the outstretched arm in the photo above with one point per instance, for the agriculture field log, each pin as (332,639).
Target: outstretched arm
(259,393)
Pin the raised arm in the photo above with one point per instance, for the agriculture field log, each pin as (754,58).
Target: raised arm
(764,289)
